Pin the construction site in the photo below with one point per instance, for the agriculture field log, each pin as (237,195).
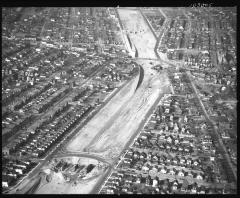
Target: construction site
(66,175)
(109,131)
(132,100)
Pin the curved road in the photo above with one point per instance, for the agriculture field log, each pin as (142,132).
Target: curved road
(77,154)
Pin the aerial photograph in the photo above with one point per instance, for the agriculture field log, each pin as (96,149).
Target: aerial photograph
(119,100)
